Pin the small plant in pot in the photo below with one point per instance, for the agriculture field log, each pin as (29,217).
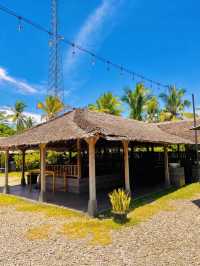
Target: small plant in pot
(120,201)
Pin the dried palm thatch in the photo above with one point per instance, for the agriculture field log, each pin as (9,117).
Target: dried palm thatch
(180,128)
(82,123)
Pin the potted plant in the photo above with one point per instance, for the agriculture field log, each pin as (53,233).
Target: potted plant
(120,201)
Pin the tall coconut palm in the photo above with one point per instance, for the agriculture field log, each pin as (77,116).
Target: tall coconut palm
(174,101)
(107,103)
(30,122)
(51,107)
(152,109)
(136,100)
(17,116)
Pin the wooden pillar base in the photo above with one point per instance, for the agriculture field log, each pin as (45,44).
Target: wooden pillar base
(42,196)
(23,182)
(92,208)
(6,190)
(128,191)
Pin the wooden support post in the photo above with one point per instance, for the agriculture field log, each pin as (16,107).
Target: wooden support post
(23,180)
(126,167)
(92,203)
(6,187)
(79,158)
(42,196)
(166,165)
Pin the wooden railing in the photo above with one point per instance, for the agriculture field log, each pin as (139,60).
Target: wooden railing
(64,170)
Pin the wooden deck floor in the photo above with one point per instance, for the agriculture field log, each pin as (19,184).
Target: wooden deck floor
(73,201)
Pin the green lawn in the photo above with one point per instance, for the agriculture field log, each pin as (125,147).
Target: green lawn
(78,225)
(14,178)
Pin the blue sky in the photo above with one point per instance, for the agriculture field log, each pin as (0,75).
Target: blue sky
(159,39)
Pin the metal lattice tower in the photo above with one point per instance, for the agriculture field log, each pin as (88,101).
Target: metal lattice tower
(55,81)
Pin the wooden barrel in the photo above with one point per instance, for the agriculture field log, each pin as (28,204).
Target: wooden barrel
(195,173)
(177,176)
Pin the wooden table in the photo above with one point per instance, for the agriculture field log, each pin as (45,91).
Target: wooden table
(37,171)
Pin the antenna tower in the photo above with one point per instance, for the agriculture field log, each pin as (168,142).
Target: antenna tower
(55,80)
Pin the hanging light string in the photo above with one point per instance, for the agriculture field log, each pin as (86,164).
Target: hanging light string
(94,57)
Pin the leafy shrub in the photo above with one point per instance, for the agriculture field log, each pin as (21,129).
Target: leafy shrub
(32,161)
(120,201)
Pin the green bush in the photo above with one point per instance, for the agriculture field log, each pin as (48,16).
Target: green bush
(120,201)
(32,161)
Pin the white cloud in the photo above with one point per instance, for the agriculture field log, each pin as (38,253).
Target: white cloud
(91,31)
(20,84)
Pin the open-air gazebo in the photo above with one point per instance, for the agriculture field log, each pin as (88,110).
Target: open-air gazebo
(100,141)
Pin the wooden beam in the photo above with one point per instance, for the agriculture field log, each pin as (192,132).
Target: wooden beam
(23,180)
(79,161)
(166,165)
(42,196)
(126,166)
(92,203)
(6,187)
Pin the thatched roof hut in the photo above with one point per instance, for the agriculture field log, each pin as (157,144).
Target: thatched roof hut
(180,129)
(82,123)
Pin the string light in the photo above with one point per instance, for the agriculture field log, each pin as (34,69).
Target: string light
(108,65)
(93,62)
(95,57)
(73,50)
(50,43)
(19,27)
(121,71)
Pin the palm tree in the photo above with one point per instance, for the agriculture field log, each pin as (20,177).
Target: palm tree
(107,103)
(136,100)
(152,108)
(18,116)
(174,102)
(30,122)
(51,107)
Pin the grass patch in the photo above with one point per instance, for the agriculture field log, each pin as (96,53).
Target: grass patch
(7,200)
(98,232)
(145,208)
(48,210)
(12,174)
(13,178)
(41,232)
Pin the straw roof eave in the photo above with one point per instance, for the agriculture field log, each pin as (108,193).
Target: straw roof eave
(81,124)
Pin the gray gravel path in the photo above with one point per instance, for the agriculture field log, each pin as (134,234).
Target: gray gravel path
(169,238)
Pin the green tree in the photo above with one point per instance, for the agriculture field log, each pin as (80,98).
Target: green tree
(136,100)
(175,103)
(3,118)
(107,103)
(152,109)
(29,122)
(51,107)
(6,131)
(17,116)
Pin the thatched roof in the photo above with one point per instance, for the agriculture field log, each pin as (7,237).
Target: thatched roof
(81,123)
(180,128)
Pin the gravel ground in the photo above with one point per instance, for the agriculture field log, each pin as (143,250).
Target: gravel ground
(169,238)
